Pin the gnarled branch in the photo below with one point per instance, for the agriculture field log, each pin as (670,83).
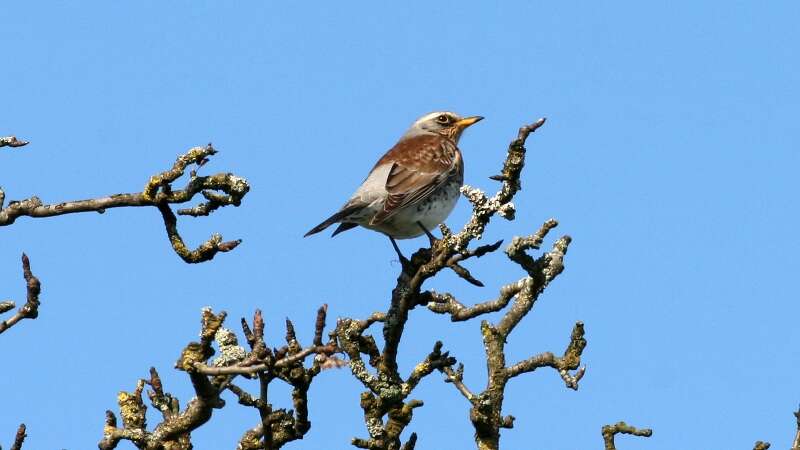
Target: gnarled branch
(219,190)
(610,431)
(30,310)
(210,378)
(570,360)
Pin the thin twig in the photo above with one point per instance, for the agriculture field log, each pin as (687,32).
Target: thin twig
(19,438)
(610,431)
(30,310)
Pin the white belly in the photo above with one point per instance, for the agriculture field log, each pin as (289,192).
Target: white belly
(430,213)
(403,225)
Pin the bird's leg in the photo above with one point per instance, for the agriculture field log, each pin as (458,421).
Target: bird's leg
(431,237)
(403,260)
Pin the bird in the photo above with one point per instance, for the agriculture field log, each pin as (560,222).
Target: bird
(414,186)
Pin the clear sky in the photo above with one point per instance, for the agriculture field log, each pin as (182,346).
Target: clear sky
(670,155)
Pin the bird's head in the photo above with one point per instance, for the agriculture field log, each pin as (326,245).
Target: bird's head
(446,123)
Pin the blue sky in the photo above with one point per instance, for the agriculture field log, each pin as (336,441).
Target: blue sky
(670,155)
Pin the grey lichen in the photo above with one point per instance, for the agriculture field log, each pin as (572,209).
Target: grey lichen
(230,350)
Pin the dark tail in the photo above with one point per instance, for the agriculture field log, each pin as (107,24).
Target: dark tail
(343,227)
(344,212)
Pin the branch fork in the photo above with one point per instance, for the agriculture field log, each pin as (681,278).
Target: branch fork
(219,190)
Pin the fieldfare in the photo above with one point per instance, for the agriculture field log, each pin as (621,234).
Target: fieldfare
(414,186)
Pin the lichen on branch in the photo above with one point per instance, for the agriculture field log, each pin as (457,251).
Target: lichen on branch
(218,190)
(210,377)
(611,431)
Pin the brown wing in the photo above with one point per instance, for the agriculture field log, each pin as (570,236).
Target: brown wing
(420,165)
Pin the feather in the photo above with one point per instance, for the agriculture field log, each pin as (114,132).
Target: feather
(344,212)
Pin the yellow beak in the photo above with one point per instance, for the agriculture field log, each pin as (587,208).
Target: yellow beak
(467,121)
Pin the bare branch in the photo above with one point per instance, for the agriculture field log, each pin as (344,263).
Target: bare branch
(447,304)
(241,369)
(220,190)
(796,441)
(348,333)
(276,427)
(174,431)
(6,306)
(319,324)
(412,442)
(19,438)
(205,252)
(541,270)
(570,361)
(486,414)
(476,252)
(464,274)
(456,377)
(516,251)
(435,360)
(610,432)
(30,310)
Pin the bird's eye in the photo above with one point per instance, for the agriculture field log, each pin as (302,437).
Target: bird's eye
(442,119)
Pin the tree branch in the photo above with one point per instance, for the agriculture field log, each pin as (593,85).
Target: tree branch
(796,441)
(19,438)
(210,378)
(541,272)
(610,432)
(219,190)
(174,431)
(30,310)
(447,304)
(436,360)
(570,361)
(456,377)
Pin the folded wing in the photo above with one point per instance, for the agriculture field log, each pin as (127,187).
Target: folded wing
(421,165)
